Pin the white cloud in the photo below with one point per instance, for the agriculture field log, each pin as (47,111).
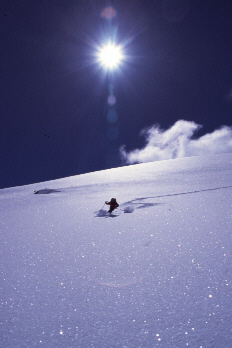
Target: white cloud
(176,142)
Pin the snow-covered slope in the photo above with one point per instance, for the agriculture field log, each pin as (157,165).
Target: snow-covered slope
(155,274)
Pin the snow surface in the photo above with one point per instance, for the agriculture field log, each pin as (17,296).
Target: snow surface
(158,273)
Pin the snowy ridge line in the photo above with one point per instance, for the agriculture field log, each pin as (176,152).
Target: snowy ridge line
(48,191)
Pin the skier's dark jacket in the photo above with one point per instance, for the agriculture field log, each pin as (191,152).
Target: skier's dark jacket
(113,204)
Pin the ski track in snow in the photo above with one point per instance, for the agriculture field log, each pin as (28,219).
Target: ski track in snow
(158,275)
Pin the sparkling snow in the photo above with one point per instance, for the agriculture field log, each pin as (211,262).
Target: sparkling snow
(157,273)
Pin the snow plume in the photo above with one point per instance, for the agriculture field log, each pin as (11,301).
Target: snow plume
(176,142)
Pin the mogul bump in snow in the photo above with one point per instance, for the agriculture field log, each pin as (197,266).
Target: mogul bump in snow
(113,204)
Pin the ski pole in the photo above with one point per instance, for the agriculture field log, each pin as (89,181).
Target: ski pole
(103,206)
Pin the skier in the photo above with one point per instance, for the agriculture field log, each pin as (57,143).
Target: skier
(113,204)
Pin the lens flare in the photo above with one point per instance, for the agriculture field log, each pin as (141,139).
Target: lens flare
(108,13)
(112,116)
(111,100)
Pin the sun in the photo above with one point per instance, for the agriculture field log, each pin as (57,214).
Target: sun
(110,56)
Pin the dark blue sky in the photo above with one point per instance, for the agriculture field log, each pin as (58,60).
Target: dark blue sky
(54,95)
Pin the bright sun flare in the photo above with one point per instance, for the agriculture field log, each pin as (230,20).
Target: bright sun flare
(110,56)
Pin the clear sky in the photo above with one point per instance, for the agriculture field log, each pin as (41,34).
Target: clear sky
(56,116)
